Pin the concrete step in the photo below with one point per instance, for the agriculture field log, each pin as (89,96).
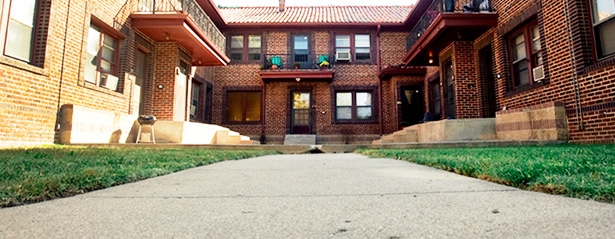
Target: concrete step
(300,139)
(406,135)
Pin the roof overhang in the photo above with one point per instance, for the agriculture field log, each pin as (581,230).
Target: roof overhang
(391,71)
(180,28)
(325,75)
(317,25)
(445,29)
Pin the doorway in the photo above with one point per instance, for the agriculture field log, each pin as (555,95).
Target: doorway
(485,57)
(411,108)
(301,118)
(449,90)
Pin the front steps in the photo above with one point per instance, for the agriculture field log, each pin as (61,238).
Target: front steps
(443,131)
(300,139)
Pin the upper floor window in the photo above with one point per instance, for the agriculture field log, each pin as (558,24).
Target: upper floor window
(527,54)
(354,106)
(603,12)
(18,24)
(353,47)
(245,47)
(101,58)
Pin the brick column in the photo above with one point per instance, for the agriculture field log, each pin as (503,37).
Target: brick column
(165,63)
(467,95)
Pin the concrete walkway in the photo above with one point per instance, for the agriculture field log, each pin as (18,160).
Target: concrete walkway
(311,196)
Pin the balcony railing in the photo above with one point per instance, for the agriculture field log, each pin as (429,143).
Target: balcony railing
(438,7)
(296,61)
(190,7)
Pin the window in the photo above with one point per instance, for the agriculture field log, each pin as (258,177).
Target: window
(603,16)
(18,25)
(245,47)
(358,45)
(101,58)
(243,106)
(527,54)
(353,106)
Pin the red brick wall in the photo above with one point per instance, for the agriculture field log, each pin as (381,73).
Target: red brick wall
(278,93)
(591,103)
(166,59)
(467,100)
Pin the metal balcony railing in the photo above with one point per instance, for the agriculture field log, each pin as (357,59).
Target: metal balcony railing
(438,7)
(296,61)
(190,7)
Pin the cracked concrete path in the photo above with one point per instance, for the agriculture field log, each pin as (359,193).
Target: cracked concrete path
(311,196)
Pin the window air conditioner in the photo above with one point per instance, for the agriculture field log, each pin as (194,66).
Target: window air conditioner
(193,110)
(538,73)
(342,56)
(109,81)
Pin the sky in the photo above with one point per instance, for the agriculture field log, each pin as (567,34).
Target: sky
(238,3)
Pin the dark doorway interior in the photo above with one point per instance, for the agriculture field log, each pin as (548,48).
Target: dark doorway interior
(488,82)
(411,107)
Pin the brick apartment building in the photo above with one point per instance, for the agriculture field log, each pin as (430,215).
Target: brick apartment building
(94,66)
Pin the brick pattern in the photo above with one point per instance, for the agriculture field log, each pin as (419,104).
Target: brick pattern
(467,100)
(596,81)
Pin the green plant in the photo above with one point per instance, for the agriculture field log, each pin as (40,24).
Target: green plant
(297,65)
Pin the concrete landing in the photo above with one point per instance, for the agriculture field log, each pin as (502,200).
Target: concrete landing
(300,139)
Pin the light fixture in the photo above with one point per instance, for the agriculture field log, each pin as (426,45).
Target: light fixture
(298,79)
(160,86)
(167,36)
(430,61)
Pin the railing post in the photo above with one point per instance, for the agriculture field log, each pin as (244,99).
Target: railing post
(154,6)
(449,5)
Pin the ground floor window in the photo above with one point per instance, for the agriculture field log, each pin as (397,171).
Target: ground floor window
(353,106)
(243,106)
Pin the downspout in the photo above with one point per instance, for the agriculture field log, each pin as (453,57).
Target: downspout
(379,62)
(61,83)
(263,138)
(575,78)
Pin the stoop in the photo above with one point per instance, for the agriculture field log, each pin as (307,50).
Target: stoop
(300,139)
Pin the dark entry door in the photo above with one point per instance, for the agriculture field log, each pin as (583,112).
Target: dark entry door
(411,107)
(451,111)
(301,118)
(488,94)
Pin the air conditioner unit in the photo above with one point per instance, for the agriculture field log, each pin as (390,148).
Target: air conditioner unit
(193,110)
(109,81)
(538,73)
(342,56)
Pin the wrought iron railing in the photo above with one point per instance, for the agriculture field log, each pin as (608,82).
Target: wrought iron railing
(296,61)
(190,7)
(438,7)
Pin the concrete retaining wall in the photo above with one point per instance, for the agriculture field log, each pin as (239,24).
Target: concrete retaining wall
(540,122)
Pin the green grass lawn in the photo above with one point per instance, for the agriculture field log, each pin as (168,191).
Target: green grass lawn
(37,174)
(581,171)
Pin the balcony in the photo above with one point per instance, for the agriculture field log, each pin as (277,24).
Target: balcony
(437,23)
(184,22)
(296,67)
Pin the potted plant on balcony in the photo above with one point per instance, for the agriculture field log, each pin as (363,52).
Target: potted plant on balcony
(297,65)
(324,65)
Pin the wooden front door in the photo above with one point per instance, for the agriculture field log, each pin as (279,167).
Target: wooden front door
(301,118)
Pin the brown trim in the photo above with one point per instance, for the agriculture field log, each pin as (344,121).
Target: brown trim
(106,28)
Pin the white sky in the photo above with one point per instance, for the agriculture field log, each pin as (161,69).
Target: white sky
(241,3)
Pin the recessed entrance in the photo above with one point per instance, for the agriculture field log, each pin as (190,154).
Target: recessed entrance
(411,105)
